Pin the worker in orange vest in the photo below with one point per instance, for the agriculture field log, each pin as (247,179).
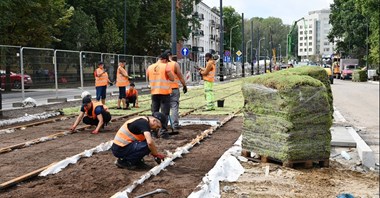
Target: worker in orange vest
(101,82)
(132,96)
(122,80)
(92,113)
(208,75)
(133,141)
(175,95)
(160,76)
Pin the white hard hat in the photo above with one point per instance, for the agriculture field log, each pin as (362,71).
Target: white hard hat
(85,93)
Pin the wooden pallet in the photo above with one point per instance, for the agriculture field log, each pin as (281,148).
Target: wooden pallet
(290,163)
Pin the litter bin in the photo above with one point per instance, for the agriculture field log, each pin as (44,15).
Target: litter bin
(220,103)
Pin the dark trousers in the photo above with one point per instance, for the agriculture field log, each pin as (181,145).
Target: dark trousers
(131,99)
(162,102)
(132,153)
(89,121)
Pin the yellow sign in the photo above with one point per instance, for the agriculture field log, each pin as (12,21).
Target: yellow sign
(238,53)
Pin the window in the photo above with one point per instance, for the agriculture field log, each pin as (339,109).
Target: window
(310,37)
(310,43)
(327,49)
(301,32)
(301,26)
(310,49)
(301,44)
(301,38)
(310,32)
(310,26)
(301,49)
(326,43)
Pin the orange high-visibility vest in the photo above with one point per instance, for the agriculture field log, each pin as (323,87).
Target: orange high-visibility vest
(121,81)
(101,80)
(94,105)
(124,136)
(159,83)
(210,76)
(175,83)
(130,92)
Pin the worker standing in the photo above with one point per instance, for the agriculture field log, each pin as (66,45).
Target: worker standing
(208,74)
(101,82)
(122,80)
(175,95)
(133,141)
(160,75)
(92,113)
(336,69)
(132,96)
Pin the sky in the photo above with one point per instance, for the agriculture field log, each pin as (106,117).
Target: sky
(287,10)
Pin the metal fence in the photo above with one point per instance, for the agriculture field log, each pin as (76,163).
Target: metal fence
(44,68)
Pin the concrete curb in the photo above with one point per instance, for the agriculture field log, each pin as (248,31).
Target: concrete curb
(365,152)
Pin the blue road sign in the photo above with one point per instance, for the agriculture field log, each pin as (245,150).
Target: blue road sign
(238,58)
(185,51)
(227,53)
(227,59)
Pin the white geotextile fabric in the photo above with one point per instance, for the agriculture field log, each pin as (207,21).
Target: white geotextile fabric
(227,168)
(27,118)
(57,167)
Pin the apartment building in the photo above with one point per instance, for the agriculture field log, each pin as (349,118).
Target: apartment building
(312,36)
(205,37)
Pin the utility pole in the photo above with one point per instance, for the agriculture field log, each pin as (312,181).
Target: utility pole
(242,33)
(271,47)
(258,52)
(221,47)
(252,48)
(174,28)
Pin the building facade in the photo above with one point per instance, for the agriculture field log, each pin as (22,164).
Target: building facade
(204,37)
(313,43)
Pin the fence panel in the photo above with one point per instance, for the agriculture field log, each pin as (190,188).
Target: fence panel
(90,62)
(68,69)
(10,67)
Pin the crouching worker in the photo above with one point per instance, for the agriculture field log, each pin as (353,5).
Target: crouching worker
(134,140)
(132,96)
(92,113)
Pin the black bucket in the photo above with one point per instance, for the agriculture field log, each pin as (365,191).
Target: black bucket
(220,103)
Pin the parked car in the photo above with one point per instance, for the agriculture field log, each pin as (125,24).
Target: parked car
(346,73)
(15,80)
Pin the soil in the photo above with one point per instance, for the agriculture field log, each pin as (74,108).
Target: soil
(97,176)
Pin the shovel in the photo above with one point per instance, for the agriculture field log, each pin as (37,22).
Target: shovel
(159,190)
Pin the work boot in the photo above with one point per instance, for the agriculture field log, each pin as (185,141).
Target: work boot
(165,135)
(142,166)
(124,164)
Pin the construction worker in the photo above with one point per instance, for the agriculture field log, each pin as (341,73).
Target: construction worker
(175,95)
(133,141)
(159,75)
(122,80)
(92,113)
(208,75)
(336,68)
(132,96)
(101,82)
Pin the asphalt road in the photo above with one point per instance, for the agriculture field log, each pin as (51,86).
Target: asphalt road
(358,102)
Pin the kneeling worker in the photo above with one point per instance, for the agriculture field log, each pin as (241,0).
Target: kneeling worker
(132,96)
(134,140)
(92,113)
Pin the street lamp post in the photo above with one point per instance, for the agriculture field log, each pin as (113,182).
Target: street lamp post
(279,46)
(265,60)
(258,57)
(231,36)
(246,49)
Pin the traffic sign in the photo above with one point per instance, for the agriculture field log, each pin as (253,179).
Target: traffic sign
(185,51)
(227,59)
(227,53)
(238,58)
(239,53)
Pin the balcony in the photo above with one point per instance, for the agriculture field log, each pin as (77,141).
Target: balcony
(198,33)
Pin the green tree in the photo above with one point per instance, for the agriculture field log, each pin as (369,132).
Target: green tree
(111,37)
(34,23)
(349,26)
(231,19)
(81,33)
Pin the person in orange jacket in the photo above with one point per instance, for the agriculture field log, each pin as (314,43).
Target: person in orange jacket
(122,81)
(132,96)
(92,113)
(101,82)
(133,141)
(160,77)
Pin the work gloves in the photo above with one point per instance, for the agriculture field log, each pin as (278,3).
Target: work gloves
(159,157)
(184,89)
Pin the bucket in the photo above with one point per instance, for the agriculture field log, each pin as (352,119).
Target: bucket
(220,103)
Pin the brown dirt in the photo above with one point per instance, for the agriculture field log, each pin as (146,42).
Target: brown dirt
(96,176)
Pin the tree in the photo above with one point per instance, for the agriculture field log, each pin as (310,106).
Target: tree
(349,26)
(111,37)
(231,19)
(34,23)
(81,33)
